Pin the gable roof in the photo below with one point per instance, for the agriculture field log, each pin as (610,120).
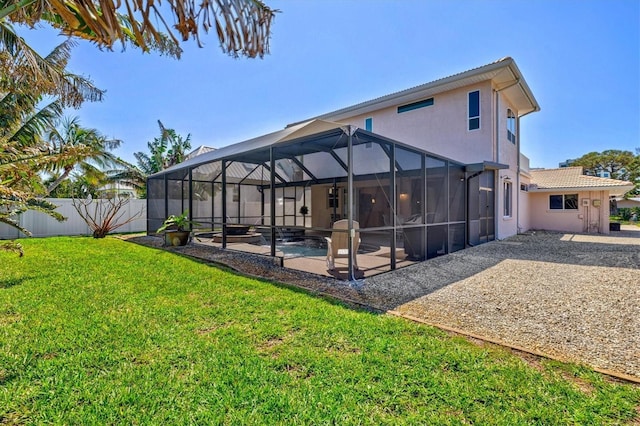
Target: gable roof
(199,150)
(256,144)
(572,178)
(504,73)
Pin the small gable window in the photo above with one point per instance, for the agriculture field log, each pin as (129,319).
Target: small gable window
(415,105)
(368,124)
(474,110)
(511,126)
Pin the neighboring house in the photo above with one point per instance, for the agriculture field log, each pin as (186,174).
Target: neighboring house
(119,189)
(567,163)
(565,199)
(422,172)
(627,203)
(198,151)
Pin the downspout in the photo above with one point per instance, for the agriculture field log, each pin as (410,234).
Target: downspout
(518,172)
(497,157)
(496,177)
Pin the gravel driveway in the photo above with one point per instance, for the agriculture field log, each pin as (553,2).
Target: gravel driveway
(569,296)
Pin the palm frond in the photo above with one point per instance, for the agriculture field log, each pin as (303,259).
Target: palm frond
(243,27)
(26,70)
(37,123)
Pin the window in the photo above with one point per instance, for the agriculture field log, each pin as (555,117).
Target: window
(511,126)
(524,187)
(415,105)
(563,202)
(474,110)
(333,199)
(368,124)
(507,198)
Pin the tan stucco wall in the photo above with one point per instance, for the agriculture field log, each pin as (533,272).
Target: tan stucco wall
(628,204)
(586,219)
(440,128)
(524,219)
(320,210)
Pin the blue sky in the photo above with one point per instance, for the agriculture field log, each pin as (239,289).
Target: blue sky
(581,59)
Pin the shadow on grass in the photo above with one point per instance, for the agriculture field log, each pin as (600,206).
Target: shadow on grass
(6,378)
(338,293)
(388,290)
(12,282)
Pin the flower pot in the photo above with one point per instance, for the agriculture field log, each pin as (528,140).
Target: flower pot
(176,238)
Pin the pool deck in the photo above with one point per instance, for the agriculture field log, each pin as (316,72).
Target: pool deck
(370,264)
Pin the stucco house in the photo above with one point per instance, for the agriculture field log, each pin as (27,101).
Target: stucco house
(565,199)
(415,174)
(628,203)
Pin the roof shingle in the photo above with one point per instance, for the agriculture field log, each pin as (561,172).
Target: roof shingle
(571,177)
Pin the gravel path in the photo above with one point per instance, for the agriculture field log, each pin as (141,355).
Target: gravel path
(572,297)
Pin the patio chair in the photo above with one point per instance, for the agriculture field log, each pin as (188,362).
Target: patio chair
(338,244)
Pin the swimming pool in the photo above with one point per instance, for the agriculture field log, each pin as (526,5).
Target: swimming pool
(312,246)
(300,247)
(303,247)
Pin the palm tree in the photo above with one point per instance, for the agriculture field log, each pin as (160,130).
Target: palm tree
(164,151)
(24,71)
(242,26)
(22,155)
(70,135)
(23,151)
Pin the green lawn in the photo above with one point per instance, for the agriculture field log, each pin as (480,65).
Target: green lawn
(105,331)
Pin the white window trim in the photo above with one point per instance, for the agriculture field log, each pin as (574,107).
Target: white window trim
(549,209)
(515,125)
(469,118)
(507,187)
(365,124)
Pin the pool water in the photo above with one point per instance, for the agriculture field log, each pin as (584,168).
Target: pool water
(307,247)
(302,247)
(301,251)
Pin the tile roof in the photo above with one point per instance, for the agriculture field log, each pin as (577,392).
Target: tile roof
(571,177)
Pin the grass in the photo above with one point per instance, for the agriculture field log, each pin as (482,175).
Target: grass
(104,331)
(622,221)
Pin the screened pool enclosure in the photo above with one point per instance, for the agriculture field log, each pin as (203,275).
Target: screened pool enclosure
(291,193)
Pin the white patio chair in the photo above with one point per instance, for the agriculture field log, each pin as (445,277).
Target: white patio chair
(338,244)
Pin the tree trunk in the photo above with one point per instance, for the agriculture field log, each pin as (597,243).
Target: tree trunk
(57,182)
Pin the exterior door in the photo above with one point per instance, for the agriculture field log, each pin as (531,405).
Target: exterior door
(481,208)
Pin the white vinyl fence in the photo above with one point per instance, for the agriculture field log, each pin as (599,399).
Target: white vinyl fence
(42,225)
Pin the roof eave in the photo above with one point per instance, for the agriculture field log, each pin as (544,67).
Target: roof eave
(613,190)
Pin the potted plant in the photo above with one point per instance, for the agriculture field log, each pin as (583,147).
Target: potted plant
(304,211)
(177,229)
